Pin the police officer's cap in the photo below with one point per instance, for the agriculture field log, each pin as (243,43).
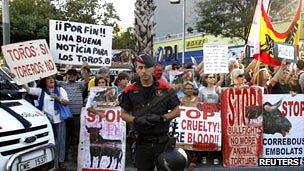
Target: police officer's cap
(145,59)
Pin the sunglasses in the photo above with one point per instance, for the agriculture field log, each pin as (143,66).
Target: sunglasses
(242,75)
(211,77)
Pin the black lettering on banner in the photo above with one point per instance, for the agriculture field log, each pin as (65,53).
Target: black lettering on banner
(90,59)
(65,57)
(64,37)
(58,25)
(72,28)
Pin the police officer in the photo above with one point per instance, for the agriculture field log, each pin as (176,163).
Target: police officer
(145,104)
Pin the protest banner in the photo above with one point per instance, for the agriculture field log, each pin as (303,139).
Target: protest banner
(74,43)
(199,129)
(283,126)
(242,129)
(215,58)
(29,61)
(102,140)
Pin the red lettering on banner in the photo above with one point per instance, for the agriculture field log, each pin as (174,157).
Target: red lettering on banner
(196,138)
(44,49)
(195,114)
(184,125)
(29,69)
(22,53)
(110,115)
(91,117)
(292,108)
(238,105)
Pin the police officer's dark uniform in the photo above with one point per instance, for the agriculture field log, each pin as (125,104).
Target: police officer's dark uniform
(147,103)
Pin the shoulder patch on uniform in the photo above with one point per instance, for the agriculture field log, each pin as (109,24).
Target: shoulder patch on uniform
(132,87)
(163,85)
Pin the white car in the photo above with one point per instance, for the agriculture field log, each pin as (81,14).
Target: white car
(26,135)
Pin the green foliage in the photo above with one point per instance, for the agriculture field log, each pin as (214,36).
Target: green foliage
(89,11)
(29,19)
(228,18)
(124,40)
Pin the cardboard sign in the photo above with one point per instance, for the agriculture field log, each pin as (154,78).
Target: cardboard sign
(74,43)
(102,141)
(283,126)
(199,129)
(29,61)
(242,126)
(215,58)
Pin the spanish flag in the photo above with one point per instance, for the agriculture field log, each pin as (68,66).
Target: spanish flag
(269,36)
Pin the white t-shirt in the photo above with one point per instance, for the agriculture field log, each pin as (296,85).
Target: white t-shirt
(48,102)
(209,96)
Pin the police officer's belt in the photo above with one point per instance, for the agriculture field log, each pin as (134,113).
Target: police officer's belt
(152,139)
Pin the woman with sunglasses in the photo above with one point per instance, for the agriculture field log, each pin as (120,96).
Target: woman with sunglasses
(210,93)
(238,78)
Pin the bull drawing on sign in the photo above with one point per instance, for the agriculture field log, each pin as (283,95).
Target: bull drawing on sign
(102,147)
(273,121)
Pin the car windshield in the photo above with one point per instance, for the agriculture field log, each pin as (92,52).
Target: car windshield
(8,88)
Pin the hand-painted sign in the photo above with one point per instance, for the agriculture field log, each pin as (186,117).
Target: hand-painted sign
(29,61)
(241,111)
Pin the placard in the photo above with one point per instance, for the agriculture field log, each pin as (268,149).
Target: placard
(242,129)
(215,58)
(74,43)
(29,61)
(102,141)
(199,129)
(283,126)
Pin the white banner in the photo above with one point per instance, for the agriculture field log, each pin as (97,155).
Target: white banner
(215,58)
(199,129)
(29,61)
(283,126)
(74,43)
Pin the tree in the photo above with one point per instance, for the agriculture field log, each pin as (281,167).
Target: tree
(228,18)
(29,19)
(124,40)
(91,12)
(144,25)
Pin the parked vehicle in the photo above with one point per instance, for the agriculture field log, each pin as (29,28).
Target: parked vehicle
(26,136)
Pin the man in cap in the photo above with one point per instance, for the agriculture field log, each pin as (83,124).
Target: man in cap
(103,72)
(145,104)
(74,91)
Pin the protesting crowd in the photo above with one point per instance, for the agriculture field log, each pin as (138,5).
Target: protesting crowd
(190,86)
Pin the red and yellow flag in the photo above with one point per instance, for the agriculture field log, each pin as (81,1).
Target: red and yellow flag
(269,36)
